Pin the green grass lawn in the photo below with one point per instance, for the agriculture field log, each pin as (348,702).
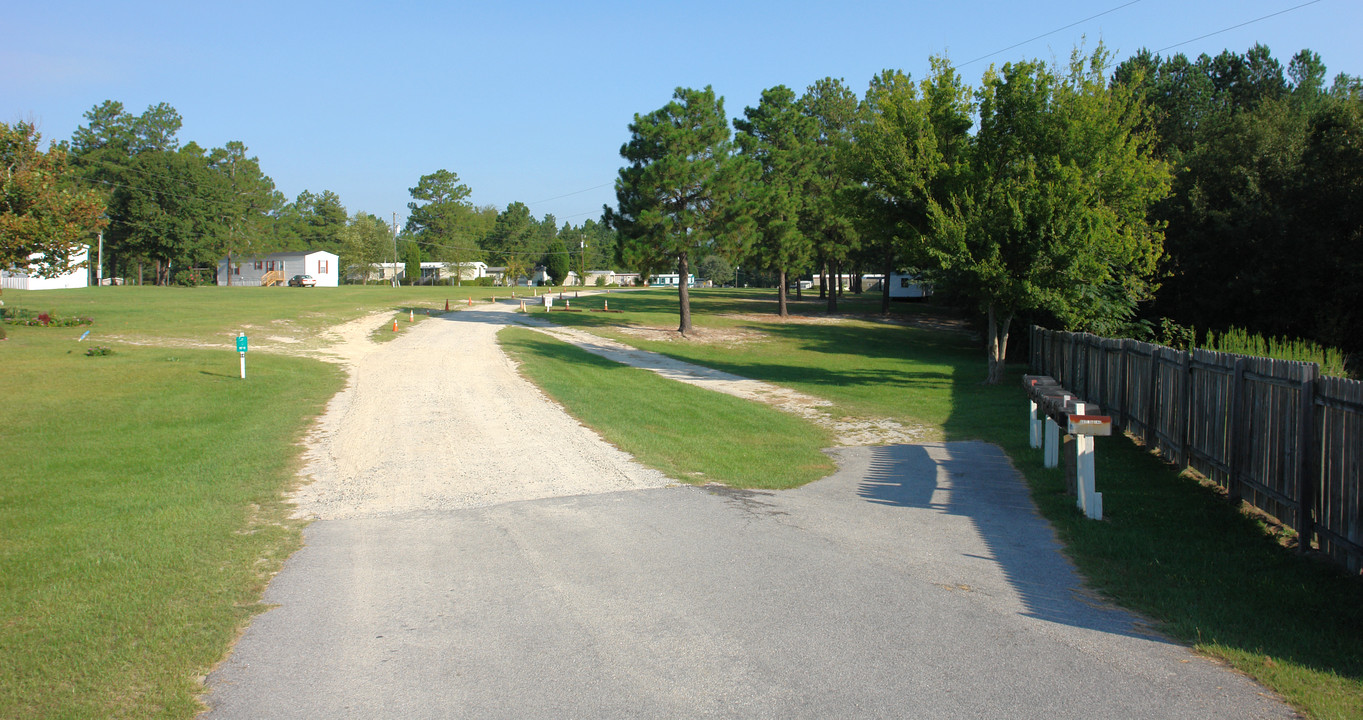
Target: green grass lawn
(141,492)
(672,426)
(1168,547)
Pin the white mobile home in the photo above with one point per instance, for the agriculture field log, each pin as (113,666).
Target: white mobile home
(908,286)
(21,279)
(277,268)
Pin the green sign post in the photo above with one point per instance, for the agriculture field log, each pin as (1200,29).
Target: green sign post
(241,348)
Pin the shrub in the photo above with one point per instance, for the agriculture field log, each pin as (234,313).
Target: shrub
(1241,342)
(98,351)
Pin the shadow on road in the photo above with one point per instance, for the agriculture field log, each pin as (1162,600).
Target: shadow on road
(976,481)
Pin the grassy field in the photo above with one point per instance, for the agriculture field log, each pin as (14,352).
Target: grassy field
(1168,547)
(140,492)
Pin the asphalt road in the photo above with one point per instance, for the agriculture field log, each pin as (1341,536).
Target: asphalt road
(917,582)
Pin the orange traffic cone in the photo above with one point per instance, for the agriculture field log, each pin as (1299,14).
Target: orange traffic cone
(411,315)
(567,304)
(395,324)
(606,304)
(447,304)
(522,306)
(470,301)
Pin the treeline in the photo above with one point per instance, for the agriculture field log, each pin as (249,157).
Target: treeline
(170,211)
(1264,227)
(1116,200)
(443,225)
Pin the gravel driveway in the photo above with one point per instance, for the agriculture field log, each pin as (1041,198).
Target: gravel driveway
(478,554)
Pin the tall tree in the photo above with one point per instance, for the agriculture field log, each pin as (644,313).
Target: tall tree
(511,241)
(439,216)
(780,138)
(680,193)
(246,196)
(828,216)
(1054,216)
(45,220)
(106,153)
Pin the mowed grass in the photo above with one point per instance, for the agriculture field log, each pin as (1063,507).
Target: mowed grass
(686,432)
(141,507)
(1168,547)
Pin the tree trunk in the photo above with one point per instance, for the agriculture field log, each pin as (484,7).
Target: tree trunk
(823,278)
(683,292)
(997,344)
(781,297)
(832,270)
(799,290)
(229,269)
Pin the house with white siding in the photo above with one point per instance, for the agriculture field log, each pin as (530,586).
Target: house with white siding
(27,279)
(276,268)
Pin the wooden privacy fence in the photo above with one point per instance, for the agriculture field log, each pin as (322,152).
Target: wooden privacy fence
(1272,432)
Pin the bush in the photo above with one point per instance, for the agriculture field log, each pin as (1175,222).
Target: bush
(601,281)
(98,351)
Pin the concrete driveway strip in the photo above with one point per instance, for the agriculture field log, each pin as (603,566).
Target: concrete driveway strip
(918,581)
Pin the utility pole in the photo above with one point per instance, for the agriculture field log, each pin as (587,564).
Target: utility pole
(395,249)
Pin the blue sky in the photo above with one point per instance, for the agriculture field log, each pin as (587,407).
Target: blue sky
(531,101)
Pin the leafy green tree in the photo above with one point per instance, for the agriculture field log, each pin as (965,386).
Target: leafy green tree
(828,217)
(1054,213)
(715,269)
(556,262)
(45,220)
(440,216)
(365,243)
(781,139)
(909,150)
(244,199)
(173,214)
(411,258)
(104,152)
(681,193)
(512,237)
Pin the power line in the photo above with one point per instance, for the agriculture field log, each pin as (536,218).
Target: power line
(575,192)
(1233,27)
(1038,37)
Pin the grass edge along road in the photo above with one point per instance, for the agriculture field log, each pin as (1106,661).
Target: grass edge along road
(141,495)
(1210,575)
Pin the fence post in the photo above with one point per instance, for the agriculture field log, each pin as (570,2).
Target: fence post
(1151,417)
(1308,453)
(1186,410)
(1235,430)
(1123,367)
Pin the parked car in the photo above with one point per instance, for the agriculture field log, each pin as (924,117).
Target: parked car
(302,281)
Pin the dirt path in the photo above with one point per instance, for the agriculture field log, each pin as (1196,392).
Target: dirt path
(439,419)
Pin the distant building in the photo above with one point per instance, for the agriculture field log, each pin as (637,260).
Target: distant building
(277,268)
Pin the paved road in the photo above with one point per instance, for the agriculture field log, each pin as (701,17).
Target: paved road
(917,582)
